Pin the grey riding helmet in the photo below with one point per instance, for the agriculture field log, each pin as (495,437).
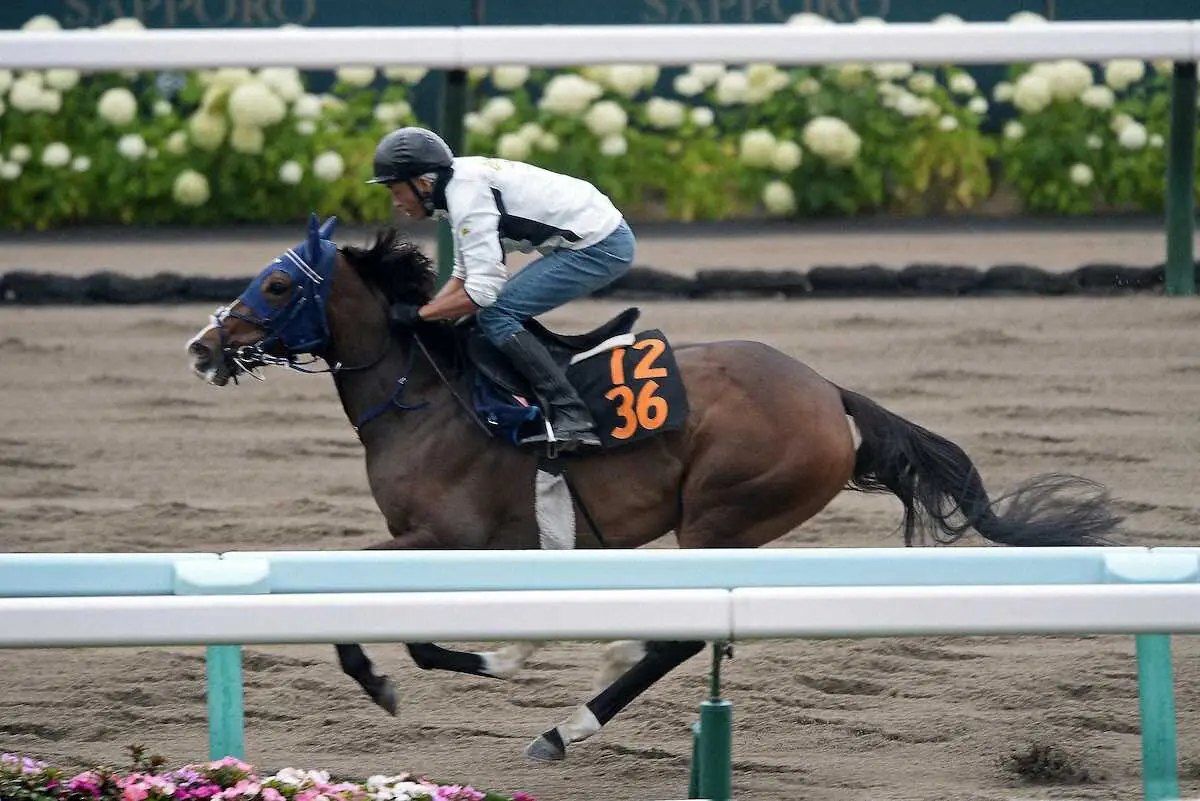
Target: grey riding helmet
(408,153)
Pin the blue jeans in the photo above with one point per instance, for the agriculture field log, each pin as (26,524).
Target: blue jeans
(555,279)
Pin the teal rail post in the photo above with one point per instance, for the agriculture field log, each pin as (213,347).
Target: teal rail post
(226,718)
(1181,176)
(716,737)
(1156,693)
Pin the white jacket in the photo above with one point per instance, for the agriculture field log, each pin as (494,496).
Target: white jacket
(496,207)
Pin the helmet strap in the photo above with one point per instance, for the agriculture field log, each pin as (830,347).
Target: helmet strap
(426,198)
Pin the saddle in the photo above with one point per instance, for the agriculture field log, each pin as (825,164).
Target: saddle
(631,397)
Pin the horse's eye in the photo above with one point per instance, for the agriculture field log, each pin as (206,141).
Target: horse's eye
(276,288)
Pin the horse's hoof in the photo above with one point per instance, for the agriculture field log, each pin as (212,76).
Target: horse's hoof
(543,750)
(387,697)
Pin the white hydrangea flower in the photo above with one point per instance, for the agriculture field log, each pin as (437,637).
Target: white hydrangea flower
(568,95)
(606,118)
(513,147)
(832,139)
(948,19)
(1093,142)
(626,79)
(475,123)
(1002,92)
(922,83)
(1014,130)
(1081,174)
(961,83)
(1164,66)
(787,156)
(708,73)
(530,131)
(162,108)
(329,166)
(1032,93)
(807,86)
(253,104)
(123,24)
(132,146)
(614,145)
(757,147)
(409,75)
(50,101)
(850,76)
(498,109)
(478,74)
(892,70)
(10,171)
(390,114)
(207,130)
(56,154)
(1133,136)
(41,22)
(778,198)
(665,114)
(1098,96)
(190,189)
(26,94)
(688,85)
(508,79)
(1121,73)
(283,81)
(732,88)
(307,107)
(1067,77)
(246,139)
(229,77)
(702,116)
(6,80)
(20,153)
(62,79)
(978,105)
(356,76)
(1120,121)
(1026,18)
(870,22)
(117,106)
(290,173)
(808,18)
(306,127)
(909,105)
(81,164)
(1156,140)
(948,122)
(548,142)
(177,143)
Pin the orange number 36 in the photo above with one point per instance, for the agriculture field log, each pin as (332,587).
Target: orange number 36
(645,410)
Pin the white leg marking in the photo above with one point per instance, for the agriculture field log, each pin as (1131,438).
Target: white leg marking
(581,725)
(618,657)
(504,663)
(854,433)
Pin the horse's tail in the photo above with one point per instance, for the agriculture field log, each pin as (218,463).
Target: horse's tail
(942,491)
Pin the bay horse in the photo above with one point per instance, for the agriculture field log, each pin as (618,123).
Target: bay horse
(767,444)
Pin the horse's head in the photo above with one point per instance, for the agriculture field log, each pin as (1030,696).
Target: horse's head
(280,315)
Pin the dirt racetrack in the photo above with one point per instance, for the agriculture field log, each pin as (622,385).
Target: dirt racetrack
(110,444)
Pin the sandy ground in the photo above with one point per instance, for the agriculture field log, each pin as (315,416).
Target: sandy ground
(108,443)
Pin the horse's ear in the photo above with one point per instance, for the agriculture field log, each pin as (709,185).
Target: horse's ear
(327,228)
(313,242)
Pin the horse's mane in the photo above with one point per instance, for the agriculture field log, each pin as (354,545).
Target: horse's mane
(396,266)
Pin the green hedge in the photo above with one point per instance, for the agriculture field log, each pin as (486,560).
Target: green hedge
(721,142)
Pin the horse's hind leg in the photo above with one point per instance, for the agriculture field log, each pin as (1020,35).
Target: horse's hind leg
(661,657)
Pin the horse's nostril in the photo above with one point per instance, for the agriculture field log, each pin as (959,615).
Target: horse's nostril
(200,350)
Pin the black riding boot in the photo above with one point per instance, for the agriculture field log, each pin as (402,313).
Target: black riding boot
(569,417)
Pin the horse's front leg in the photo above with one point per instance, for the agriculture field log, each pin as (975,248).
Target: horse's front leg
(501,664)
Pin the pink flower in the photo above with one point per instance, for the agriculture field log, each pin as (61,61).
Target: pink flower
(271,794)
(135,792)
(456,792)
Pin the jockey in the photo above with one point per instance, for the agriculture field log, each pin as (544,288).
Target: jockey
(494,207)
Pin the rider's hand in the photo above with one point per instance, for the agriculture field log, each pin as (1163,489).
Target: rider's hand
(404,315)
